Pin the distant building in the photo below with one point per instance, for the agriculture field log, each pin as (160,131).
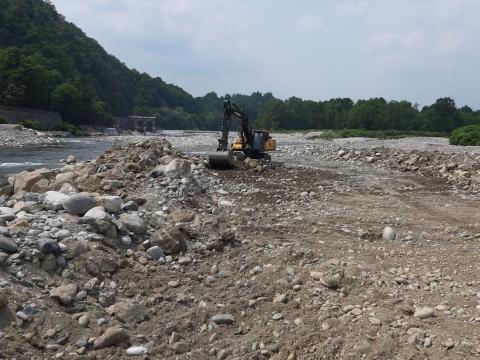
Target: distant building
(110,131)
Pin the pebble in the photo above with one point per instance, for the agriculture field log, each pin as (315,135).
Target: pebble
(277,316)
(449,343)
(8,244)
(181,347)
(173,284)
(83,321)
(137,351)
(423,313)
(223,319)
(388,234)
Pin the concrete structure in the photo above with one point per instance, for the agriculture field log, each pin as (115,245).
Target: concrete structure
(13,115)
(136,123)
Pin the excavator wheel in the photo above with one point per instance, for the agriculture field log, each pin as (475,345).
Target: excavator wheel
(221,160)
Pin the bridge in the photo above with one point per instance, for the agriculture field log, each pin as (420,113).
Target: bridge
(136,123)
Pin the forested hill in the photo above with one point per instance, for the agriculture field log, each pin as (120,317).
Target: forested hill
(48,63)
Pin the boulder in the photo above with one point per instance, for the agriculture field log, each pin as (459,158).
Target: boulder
(110,337)
(53,200)
(65,293)
(388,234)
(128,313)
(41,186)
(48,246)
(63,178)
(7,244)
(26,179)
(19,226)
(171,240)
(112,204)
(71,159)
(155,253)
(133,223)
(68,189)
(97,213)
(158,171)
(78,204)
(178,168)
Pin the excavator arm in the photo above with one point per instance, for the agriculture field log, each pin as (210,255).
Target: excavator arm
(230,109)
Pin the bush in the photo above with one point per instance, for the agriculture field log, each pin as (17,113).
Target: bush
(466,136)
(2,121)
(329,135)
(32,124)
(65,126)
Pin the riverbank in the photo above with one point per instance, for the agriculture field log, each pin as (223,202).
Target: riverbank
(17,136)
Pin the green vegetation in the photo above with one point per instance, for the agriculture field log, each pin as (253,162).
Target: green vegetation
(466,136)
(31,124)
(2,121)
(70,128)
(48,63)
(379,134)
(371,115)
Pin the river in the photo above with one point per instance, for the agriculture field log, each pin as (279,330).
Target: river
(28,157)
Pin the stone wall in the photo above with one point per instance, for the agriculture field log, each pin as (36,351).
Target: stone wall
(47,119)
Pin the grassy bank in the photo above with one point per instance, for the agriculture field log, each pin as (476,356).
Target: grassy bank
(378,134)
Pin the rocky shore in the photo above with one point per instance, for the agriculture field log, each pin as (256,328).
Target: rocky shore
(17,135)
(79,244)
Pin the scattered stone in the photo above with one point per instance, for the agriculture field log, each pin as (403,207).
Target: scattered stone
(78,204)
(54,200)
(128,313)
(112,204)
(71,159)
(83,321)
(155,253)
(134,223)
(137,351)
(97,213)
(65,293)
(111,336)
(48,246)
(8,244)
(171,240)
(388,234)
(178,168)
(181,347)
(223,319)
(423,313)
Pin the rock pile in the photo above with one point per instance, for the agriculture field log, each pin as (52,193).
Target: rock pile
(17,135)
(77,243)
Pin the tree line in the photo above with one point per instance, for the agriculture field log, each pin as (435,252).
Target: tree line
(50,64)
(372,114)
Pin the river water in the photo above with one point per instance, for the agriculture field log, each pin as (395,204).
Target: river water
(16,159)
(29,157)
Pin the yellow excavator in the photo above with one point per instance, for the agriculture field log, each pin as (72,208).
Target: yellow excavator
(255,144)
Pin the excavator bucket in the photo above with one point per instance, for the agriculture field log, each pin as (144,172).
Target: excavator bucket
(221,159)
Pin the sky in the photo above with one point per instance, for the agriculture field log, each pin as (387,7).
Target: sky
(417,50)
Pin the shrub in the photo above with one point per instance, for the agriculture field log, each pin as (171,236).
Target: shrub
(2,121)
(65,126)
(466,136)
(329,135)
(32,124)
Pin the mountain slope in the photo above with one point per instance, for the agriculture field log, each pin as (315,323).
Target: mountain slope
(49,63)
